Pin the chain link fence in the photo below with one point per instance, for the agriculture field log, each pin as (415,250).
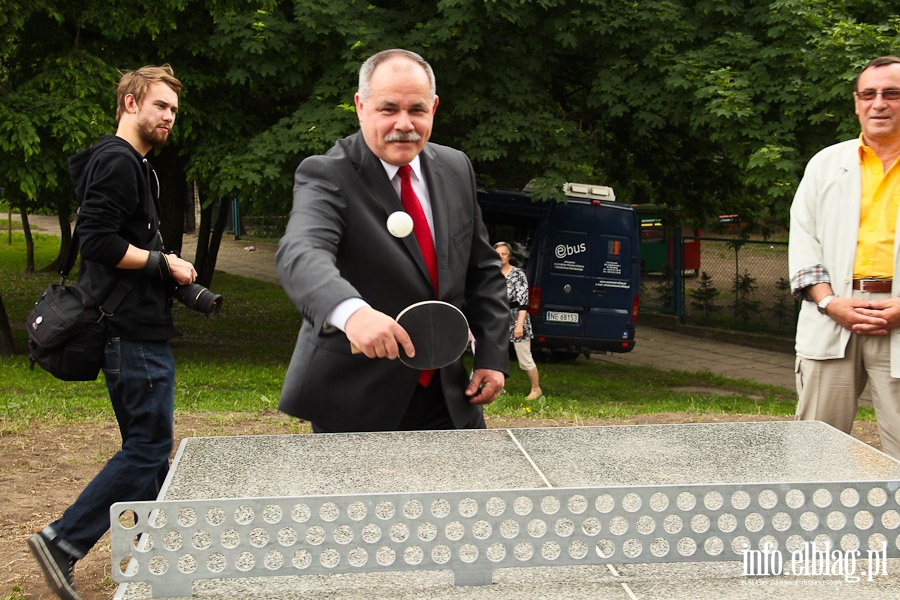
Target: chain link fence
(730,283)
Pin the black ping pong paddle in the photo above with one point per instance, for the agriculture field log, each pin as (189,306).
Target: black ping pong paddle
(438,330)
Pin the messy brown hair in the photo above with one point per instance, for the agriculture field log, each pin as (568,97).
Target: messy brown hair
(137,83)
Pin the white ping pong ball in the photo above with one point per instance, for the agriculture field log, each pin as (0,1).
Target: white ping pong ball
(400,224)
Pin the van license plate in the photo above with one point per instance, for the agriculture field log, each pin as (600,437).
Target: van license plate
(562,317)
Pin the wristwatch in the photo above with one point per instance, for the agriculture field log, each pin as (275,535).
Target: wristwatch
(823,303)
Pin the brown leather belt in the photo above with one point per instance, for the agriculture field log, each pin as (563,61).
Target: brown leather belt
(877,286)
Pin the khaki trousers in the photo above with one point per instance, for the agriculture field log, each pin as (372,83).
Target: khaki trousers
(829,390)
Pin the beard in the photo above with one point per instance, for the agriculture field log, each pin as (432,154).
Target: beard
(151,134)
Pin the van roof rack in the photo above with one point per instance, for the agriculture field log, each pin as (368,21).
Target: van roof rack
(589,191)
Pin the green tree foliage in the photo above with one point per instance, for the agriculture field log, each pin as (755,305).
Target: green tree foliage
(710,106)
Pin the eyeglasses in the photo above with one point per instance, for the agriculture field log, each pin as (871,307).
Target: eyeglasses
(869,95)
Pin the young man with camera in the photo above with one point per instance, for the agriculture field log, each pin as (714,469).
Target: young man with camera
(119,239)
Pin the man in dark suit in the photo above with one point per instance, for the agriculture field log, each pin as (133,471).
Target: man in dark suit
(349,276)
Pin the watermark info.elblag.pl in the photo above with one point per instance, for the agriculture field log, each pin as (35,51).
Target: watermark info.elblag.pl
(822,563)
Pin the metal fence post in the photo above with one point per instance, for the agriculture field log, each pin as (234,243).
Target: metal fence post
(236,218)
(678,274)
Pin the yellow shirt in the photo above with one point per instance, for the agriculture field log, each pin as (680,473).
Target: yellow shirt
(877,216)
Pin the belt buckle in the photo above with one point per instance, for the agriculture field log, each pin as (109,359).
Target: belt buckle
(870,284)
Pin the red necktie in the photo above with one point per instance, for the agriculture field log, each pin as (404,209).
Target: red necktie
(413,207)
(420,224)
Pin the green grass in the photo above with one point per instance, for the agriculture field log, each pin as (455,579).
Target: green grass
(236,363)
(15,594)
(591,389)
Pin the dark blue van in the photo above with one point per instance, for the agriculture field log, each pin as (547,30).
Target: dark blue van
(582,259)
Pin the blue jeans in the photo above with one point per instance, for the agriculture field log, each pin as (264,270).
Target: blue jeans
(140,377)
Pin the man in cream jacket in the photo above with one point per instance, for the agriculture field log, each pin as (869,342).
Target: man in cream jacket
(844,263)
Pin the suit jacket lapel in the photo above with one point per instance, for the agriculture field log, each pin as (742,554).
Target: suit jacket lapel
(440,211)
(382,193)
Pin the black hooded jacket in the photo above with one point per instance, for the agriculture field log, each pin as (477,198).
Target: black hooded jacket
(119,194)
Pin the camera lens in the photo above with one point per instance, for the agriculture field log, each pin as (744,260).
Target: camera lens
(197,297)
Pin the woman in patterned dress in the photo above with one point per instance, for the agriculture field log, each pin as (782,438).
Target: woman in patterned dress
(520,333)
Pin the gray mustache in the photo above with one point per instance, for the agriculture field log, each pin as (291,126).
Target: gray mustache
(403,136)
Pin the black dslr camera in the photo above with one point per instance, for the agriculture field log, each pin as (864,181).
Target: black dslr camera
(196,297)
(192,295)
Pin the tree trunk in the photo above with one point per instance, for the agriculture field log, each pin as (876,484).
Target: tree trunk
(173,192)
(206,217)
(7,348)
(208,244)
(64,213)
(29,241)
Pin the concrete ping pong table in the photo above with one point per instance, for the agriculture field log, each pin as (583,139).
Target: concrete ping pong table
(743,510)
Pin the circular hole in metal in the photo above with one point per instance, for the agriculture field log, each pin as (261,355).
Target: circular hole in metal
(230,539)
(468,507)
(158,565)
(550,550)
(330,558)
(287,536)
(413,509)
(740,500)
(300,513)
(413,555)
(441,554)
(686,501)
(604,503)
(523,551)
(187,517)
(713,500)
(482,529)
(273,560)
(537,528)
(187,563)
(343,535)
(822,498)
(329,512)
(836,520)
(301,559)
(385,510)
(245,561)
(495,506)
(591,526)
(272,514)
(577,504)
(713,546)
(385,556)
(215,562)
(849,497)
(358,557)
(605,548)
(468,553)
(523,506)
(440,508)
(767,499)
(244,515)
(215,516)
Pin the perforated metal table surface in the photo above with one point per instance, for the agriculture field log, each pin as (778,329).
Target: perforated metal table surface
(744,510)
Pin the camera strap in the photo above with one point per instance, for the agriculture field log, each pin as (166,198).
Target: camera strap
(108,308)
(71,252)
(123,287)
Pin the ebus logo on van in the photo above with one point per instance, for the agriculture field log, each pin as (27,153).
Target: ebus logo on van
(564,250)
